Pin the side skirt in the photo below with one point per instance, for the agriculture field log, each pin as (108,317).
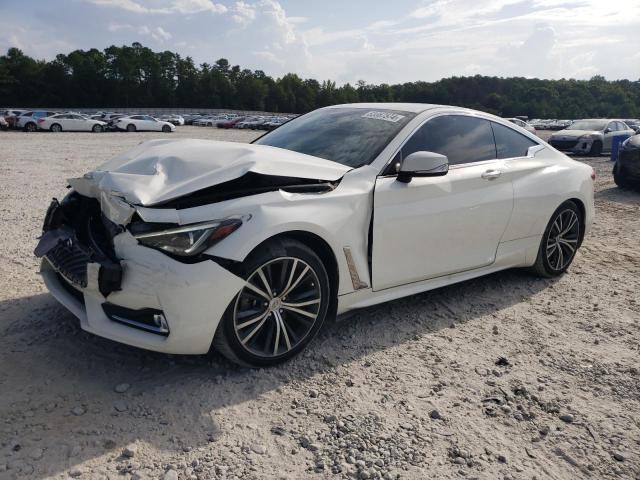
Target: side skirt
(512,254)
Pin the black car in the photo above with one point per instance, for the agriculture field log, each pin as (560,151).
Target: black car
(626,171)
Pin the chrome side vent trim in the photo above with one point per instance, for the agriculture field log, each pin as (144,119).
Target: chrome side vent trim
(353,271)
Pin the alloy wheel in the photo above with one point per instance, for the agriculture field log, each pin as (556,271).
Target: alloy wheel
(562,241)
(278,307)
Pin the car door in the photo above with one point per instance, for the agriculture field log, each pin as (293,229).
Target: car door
(74,122)
(435,226)
(610,131)
(150,123)
(624,130)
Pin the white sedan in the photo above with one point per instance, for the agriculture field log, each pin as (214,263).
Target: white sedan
(70,122)
(180,246)
(143,123)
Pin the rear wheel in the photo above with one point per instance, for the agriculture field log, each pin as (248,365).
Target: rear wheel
(131,127)
(30,127)
(97,128)
(596,148)
(166,128)
(56,128)
(280,309)
(560,241)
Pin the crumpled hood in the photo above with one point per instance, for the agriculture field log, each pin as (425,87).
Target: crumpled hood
(161,170)
(571,134)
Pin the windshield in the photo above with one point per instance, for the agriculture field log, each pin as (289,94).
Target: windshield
(588,125)
(350,136)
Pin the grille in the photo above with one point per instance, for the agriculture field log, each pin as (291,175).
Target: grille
(563,144)
(71,262)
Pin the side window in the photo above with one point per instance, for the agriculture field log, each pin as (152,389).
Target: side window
(462,139)
(612,126)
(509,143)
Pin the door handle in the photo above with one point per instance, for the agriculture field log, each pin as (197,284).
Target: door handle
(491,174)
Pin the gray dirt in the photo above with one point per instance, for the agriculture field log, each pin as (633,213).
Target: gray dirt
(504,377)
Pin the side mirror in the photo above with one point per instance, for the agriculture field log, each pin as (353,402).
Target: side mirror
(607,130)
(423,164)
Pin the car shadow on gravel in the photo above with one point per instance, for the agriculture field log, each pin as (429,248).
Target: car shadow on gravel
(626,196)
(59,382)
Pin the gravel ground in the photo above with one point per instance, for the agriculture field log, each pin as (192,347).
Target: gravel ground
(504,377)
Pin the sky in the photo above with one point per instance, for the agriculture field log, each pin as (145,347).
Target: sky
(379,41)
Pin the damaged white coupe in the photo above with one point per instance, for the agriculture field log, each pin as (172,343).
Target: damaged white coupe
(181,246)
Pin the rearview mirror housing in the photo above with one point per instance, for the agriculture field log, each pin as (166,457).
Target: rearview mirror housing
(423,164)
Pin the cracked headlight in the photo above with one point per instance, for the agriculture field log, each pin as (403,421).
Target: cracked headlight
(190,240)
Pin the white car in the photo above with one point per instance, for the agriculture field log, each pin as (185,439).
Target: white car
(28,121)
(178,246)
(590,136)
(522,124)
(70,122)
(143,123)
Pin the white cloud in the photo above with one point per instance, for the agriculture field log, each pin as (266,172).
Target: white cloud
(159,34)
(164,7)
(244,13)
(428,41)
(265,23)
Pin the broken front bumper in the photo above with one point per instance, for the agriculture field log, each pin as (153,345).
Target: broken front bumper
(160,304)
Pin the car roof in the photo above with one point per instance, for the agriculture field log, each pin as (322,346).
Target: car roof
(404,107)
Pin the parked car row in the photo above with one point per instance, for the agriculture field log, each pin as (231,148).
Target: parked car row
(232,120)
(34,120)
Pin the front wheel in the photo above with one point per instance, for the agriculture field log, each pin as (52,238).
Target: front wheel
(166,128)
(280,309)
(131,127)
(560,241)
(56,128)
(596,148)
(30,127)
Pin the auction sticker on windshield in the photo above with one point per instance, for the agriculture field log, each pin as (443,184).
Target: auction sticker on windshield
(386,116)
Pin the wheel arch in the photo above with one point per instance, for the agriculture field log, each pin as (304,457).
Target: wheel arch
(324,251)
(583,215)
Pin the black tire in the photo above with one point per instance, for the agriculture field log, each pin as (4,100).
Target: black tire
(618,177)
(131,127)
(596,149)
(550,263)
(56,128)
(97,128)
(30,127)
(166,129)
(282,259)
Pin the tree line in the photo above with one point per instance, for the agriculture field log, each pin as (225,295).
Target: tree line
(135,76)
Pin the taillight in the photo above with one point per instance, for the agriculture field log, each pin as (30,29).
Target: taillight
(593,174)
(41,120)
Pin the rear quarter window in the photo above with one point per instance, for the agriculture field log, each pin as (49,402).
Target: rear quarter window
(509,143)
